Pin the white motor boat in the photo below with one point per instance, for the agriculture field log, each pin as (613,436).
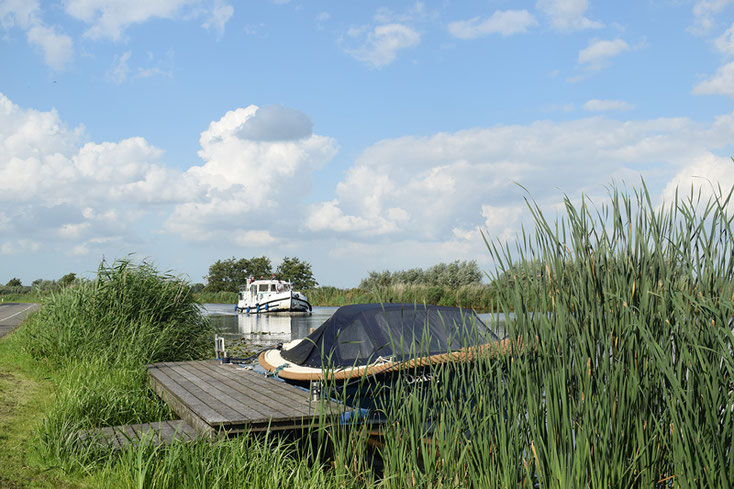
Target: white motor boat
(268,296)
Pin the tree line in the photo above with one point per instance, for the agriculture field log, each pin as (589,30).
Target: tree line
(231,274)
(453,274)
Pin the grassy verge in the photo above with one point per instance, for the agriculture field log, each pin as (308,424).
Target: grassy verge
(26,393)
(25,298)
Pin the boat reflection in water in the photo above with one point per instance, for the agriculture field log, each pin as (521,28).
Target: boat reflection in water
(274,329)
(265,329)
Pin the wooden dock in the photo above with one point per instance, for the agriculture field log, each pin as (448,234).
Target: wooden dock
(224,399)
(117,437)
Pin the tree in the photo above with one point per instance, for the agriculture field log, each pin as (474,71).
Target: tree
(260,267)
(14,282)
(297,272)
(67,280)
(229,275)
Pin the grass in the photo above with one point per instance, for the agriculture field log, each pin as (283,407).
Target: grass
(620,372)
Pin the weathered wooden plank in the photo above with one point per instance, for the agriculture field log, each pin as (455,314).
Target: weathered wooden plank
(208,392)
(172,382)
(243,392)
(262,384)
(186,406)
(215,398)
(273,403)
(162,432)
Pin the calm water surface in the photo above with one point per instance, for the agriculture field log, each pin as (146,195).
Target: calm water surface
(271,329)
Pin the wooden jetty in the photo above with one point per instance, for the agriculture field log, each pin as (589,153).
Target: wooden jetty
(117,437)
(224,399)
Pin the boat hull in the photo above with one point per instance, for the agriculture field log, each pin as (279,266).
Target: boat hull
(272,303)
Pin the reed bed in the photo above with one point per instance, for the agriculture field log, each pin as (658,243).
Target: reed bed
(619,372)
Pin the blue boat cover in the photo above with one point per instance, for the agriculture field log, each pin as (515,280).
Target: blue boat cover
(361,334)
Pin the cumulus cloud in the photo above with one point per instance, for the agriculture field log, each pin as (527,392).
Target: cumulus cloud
(444,188)
(606,105)
(708,172)
(378,47)
(57,187)
(257,168)
(567,15)
(276,123)
(599,52)
(108,19)
(721,83)
(503,22)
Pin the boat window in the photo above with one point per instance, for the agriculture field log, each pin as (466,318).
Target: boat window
(253,289)
(263,287)
(353,344)
(273,287)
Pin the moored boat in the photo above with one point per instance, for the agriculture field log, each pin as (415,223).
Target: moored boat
(269,296)
(374,344)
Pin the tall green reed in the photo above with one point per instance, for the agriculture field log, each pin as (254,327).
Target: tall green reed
(619,370)
(96,339)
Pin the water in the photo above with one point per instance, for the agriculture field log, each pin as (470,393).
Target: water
(271,329)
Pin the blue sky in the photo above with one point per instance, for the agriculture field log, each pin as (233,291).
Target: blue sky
(355,135)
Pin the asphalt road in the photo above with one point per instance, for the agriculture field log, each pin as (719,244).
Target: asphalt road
(12,314)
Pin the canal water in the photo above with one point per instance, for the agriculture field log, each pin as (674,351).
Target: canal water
(263,330)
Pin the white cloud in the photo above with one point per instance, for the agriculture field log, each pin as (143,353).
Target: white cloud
(725,42)
(257,168)
(19,247)
(598,52)
(108,19)
(57,49)
(379,47)
(606,105)
(722,83)
(254,238)
(705,13)
(449,185)
(120,69)
(20,13)
(505,23)
(217,19)
(55,187)
(709,173)
(567,15)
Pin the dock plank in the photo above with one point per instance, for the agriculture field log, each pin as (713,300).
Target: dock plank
(250,396)
(216,391)
(222,399)
(180,387)
(118,437)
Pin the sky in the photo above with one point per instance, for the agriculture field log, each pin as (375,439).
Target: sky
(357,136)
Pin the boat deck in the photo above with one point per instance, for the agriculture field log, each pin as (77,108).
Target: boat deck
(224,399)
